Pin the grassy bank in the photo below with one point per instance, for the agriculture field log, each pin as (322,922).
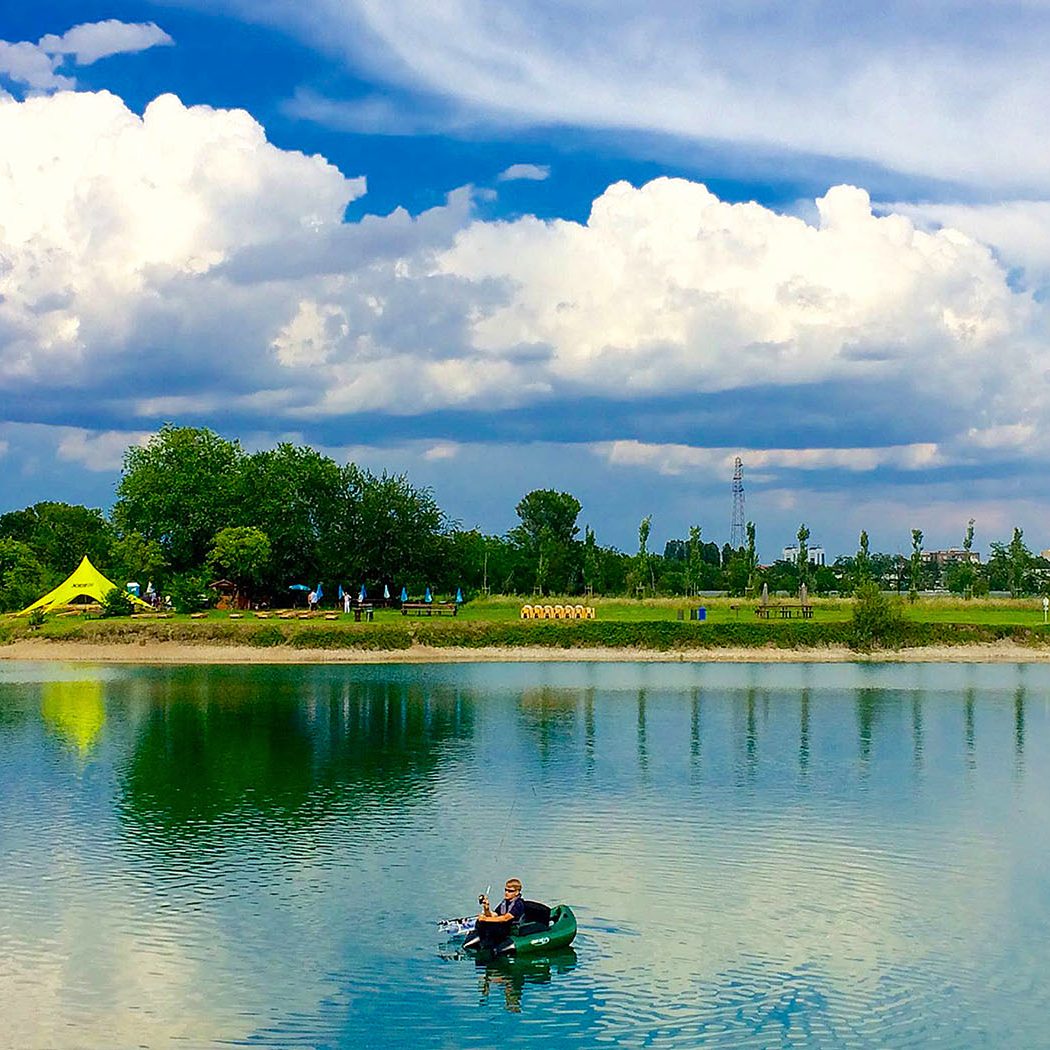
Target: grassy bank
(652,626)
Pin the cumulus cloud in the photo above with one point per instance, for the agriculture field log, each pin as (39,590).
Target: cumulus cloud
(1018,230)
(36,65)
(527,172)
(176,265)
(668,289)
(947,91)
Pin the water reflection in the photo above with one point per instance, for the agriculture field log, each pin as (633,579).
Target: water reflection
(971,742)
(803,732)
(504,980)
(75,712)
(209,760)
(757,856)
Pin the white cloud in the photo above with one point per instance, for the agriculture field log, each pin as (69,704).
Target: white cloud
(667,289)
(678,459)
(178,266)
(36,65)
(99,451)
(90,41)
(948,91)
(442,450)
(1019,231)
(528,172)
(102,211)
(25,63)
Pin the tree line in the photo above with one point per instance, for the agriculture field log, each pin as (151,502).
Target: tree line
(193,507)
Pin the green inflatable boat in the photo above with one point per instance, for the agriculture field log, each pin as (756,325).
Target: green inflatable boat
(541,929)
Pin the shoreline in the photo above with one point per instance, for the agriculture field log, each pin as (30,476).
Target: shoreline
(183,653)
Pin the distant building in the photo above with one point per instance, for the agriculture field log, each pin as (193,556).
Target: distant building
(951,556)
(815,555)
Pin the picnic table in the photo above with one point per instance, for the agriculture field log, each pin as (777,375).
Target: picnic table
(785,611)
(429,608)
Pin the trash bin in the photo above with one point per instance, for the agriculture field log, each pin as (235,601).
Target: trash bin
(681,614)
(699,613)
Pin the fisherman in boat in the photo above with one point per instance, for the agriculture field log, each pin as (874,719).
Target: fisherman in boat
(509,910)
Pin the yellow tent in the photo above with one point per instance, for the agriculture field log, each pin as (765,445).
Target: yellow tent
(85,581)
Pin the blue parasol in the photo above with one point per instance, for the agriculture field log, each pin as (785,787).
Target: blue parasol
(459,596)
(386,591)
(426,597)
(404,595)
(361,596)
(339,593)
(318,592)
(298,587)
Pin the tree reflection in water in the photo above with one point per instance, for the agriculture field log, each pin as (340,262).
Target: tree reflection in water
(284,748)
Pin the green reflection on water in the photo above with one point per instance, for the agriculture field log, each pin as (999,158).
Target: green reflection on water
(268,747)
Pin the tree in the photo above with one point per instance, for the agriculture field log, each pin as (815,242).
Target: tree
(136,558)
(802,559)
(752,557)
(968,538)
(179,489)
(591,562)
(294,495)
(386,531)
(547,534)
(1019,559)
(862,565)
(695,575)
(643,563)
(60,534)
(23,578)
(241,553)
(916,563)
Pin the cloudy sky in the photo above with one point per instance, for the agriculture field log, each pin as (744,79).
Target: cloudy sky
(602,247)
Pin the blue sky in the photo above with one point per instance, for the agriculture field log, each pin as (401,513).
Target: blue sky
(592,246)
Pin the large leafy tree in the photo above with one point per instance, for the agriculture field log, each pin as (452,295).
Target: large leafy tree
(243,554)
(180,489)
(385,530)
(547,535)
(295,496)
(60,534)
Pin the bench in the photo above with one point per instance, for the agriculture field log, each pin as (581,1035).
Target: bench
(429,608)
(784,612)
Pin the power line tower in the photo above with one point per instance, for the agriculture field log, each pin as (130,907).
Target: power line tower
(736,526)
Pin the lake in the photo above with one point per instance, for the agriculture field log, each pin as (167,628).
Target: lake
(758,855)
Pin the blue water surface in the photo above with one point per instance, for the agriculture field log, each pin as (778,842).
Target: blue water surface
(758,855)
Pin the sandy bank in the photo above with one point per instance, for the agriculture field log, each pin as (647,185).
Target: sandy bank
(181,653)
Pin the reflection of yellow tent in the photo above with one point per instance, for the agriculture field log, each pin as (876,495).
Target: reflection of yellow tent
(86,581)
(75,710)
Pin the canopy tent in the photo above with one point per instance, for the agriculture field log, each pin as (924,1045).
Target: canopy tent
(85,581)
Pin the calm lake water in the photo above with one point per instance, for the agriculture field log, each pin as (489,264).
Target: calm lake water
(819,855)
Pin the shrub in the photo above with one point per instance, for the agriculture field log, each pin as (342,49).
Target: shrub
(36,618)
(189,591)
(877,619)
(116,602)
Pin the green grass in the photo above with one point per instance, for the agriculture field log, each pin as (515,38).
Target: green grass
(495,621)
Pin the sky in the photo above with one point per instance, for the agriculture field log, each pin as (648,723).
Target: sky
(575,244)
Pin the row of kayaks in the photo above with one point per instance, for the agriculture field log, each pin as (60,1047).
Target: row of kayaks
(541,929)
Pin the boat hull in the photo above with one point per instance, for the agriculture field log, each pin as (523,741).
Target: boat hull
(530,937)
